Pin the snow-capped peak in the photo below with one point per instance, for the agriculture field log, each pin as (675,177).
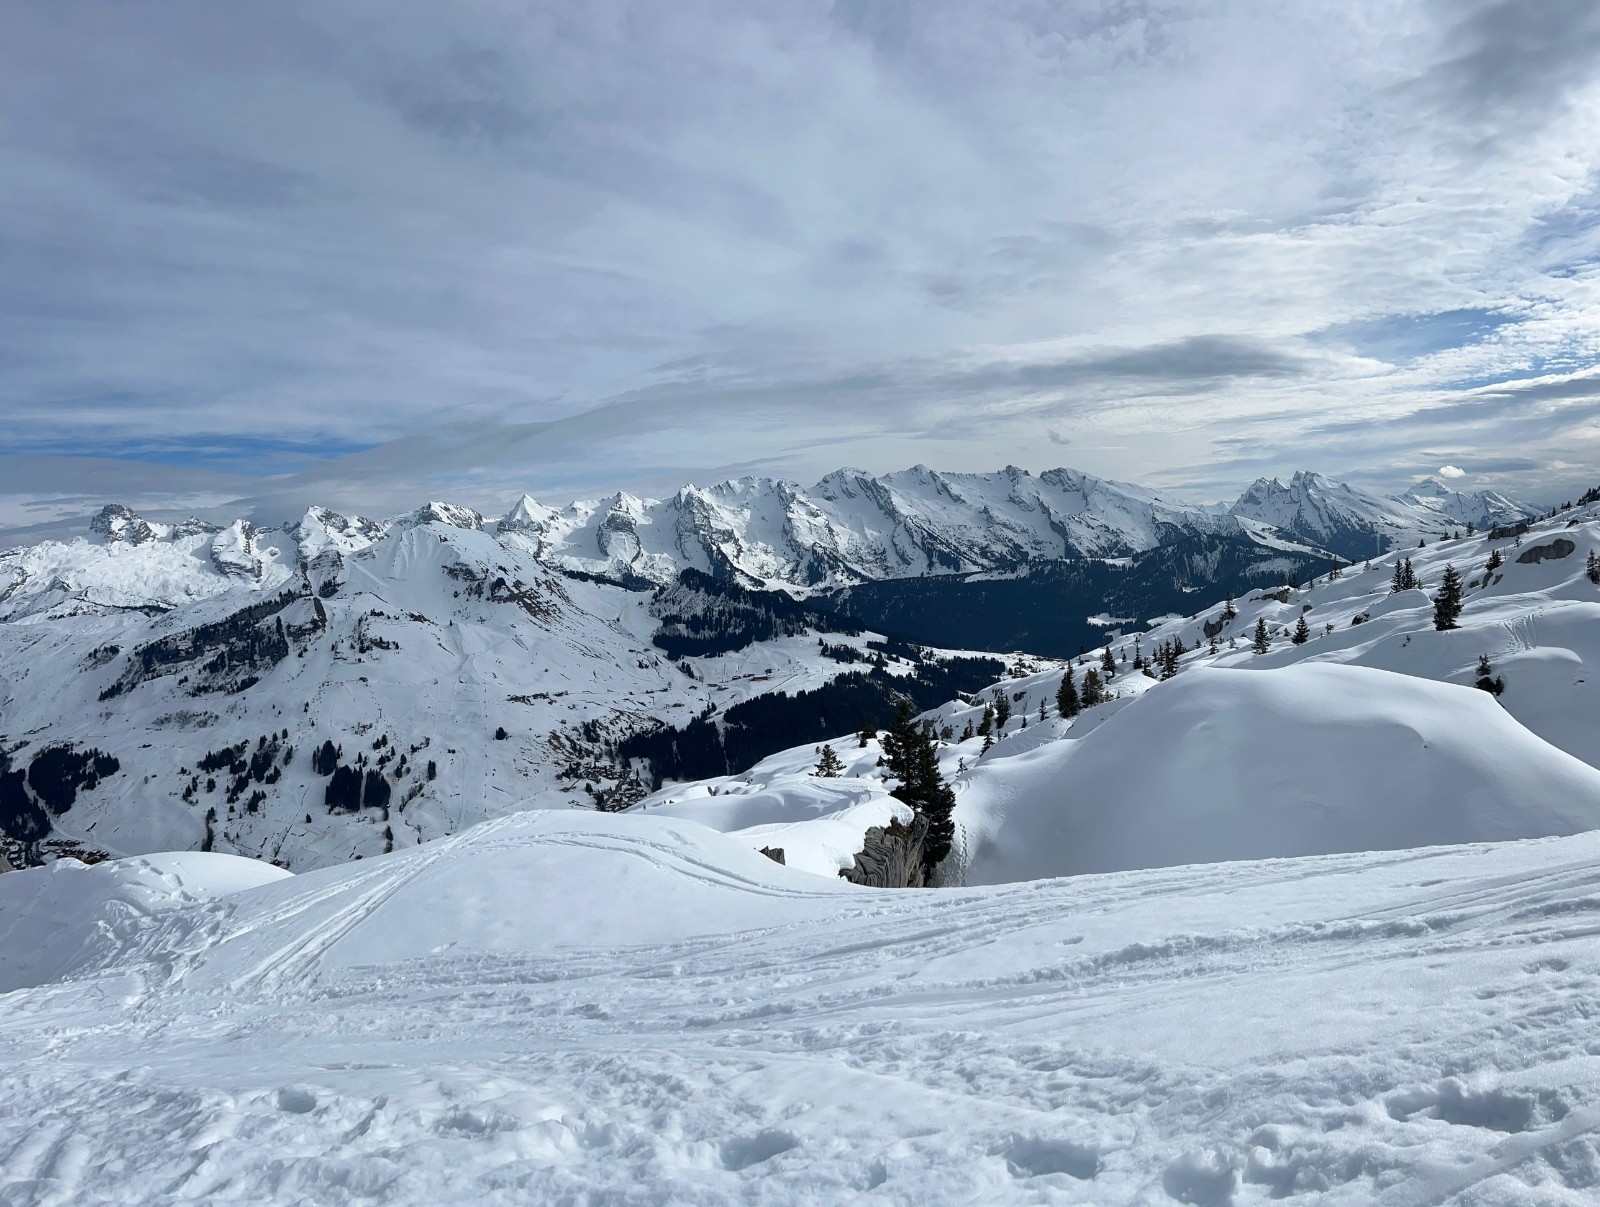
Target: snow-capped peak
(120,524)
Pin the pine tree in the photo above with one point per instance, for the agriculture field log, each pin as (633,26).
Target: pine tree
(1447,604)
(325,758)
(1002,710)
(1067,696)
(1228,610)
(937,802)
(912,759)
(986,722)
(1487,680)
(1397,583)
(1262,642)
(1044,714)
(829,766)
(1108,664)
(899,742)
(1592,570)
(1302,632)
(1094,691)
(1496,560)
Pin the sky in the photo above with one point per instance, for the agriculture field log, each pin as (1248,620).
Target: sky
(373,252)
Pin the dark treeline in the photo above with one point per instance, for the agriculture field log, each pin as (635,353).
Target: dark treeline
(756,728)
(236,643)
(1047,610)
(701,616)
(49,785)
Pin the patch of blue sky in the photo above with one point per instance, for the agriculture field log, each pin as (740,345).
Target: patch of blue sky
(1402,338)
(249,456)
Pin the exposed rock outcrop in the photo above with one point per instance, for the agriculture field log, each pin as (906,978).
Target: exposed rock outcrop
(1554,551)
(891,856)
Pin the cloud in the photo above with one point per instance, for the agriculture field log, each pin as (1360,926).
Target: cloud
(572,245)
(1451,471)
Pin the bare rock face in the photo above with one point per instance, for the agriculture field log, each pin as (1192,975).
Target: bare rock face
(891,856)
(117,523)
(1556,549)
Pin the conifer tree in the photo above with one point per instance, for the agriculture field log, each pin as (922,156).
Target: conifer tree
(1108,664)
(1496,560)
(1094,691)
(1592,569)
(1447,604)
(1488,681)
(1002,710)
(1262,642)
(986,722)
(1228,610)
(1302,632)
(325,758)
(829,766)
(1067,696)
(1397,583)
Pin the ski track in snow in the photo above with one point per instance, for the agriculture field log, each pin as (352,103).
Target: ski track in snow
(1402,1028)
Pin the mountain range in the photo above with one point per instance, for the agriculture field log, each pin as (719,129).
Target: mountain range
(166,685)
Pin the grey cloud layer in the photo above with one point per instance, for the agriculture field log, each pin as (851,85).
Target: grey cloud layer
(612,242)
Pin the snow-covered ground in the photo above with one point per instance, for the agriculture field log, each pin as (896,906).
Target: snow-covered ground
(579,1008)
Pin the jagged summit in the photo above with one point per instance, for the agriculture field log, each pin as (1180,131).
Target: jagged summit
(117,523)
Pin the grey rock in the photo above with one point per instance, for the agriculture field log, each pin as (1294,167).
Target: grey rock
(1554,551)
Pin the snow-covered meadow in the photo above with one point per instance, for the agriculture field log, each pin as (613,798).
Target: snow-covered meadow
(579,1008)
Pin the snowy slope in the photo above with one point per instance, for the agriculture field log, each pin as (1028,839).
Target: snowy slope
(1303,760)
(578,1008)
(1356,523)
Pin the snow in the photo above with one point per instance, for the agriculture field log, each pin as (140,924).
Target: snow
(68,916)
(818,823)
(1272,977)
(1316,759)
(639,1010)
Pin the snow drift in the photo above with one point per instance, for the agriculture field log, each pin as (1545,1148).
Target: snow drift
(1313,759)
(68,917)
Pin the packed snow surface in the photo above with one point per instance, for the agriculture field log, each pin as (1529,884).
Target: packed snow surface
(638,1010)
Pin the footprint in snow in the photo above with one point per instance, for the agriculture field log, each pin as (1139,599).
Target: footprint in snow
(744,1151)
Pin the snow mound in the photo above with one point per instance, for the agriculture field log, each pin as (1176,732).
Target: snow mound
(817,823)
(1221,765)
(69,917)
(530,884)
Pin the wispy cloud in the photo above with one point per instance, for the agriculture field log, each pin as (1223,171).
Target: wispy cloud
(571,245)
